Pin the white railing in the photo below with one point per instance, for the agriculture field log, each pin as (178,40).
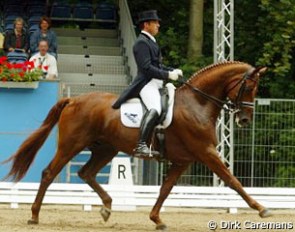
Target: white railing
(128,36)
(138,195)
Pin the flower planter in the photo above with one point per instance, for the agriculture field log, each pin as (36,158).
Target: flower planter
(19,85)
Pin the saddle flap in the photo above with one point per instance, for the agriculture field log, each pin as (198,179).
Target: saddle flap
(132,110)
(131,113)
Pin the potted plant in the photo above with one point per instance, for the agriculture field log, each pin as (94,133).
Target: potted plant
(19,75)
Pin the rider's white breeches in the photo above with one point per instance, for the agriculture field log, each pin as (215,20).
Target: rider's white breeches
(150,95)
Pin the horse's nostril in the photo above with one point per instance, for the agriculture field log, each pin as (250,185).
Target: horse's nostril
(244,121)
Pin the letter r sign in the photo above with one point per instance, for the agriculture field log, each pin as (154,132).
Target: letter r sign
(121,171)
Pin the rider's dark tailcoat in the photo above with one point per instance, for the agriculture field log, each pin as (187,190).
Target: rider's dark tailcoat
(148,58)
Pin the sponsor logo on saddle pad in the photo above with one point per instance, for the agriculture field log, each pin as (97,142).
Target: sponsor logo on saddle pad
(132,117)
(132,110)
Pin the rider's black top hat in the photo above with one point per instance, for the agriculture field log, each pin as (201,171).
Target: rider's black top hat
(148,15)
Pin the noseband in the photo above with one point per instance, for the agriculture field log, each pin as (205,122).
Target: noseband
(228,105)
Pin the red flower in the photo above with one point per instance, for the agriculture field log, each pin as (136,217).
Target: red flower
(45,67)
(18,65)
(3,59)
(23,72)
(29,64)
(9,66)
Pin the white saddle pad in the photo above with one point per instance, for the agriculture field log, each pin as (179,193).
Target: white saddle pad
(132,110)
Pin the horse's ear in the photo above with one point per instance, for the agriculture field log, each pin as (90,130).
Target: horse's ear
(260,70)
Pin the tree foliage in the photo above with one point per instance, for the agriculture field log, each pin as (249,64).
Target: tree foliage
(278,29)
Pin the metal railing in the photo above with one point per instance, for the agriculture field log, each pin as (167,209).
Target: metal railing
(128,36)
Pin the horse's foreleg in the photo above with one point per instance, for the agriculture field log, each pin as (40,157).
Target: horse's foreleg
(100,157)
(215,164)
(171,179)
(48,175)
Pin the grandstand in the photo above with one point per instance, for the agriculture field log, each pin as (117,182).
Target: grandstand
(89,59)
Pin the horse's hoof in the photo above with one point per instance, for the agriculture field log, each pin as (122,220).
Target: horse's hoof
(105,213)
(33,222)
(265,213)
(161,227)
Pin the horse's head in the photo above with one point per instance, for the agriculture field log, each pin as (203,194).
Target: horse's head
(242,92)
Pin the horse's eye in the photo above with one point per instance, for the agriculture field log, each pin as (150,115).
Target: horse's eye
(249,89)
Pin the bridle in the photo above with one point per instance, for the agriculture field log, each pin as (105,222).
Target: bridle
(228,105)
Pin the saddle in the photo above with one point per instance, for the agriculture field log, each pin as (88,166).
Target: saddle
(132,112)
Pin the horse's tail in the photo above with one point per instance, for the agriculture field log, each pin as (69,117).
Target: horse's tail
(26,153)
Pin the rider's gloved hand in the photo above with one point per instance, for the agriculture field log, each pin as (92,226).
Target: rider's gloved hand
(175,74)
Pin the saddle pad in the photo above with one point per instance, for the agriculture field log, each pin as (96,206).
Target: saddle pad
(132,111)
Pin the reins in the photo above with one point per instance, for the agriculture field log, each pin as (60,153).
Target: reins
(219,103)
(227,105)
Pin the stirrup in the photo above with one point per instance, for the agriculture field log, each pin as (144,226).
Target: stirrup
(142,151)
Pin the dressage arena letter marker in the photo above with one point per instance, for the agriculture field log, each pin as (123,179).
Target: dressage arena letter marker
(121,170)
(121,175)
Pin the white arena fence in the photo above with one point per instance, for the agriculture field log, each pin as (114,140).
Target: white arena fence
(125,197)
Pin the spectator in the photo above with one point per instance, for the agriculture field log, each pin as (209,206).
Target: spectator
(2,45)
(44,60)
(44,32)
(18,39)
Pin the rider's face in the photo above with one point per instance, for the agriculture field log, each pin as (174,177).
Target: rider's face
(152,27)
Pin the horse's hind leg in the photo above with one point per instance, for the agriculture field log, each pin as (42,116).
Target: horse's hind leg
(174,172)
(49,173)
(215,164)
(101,155)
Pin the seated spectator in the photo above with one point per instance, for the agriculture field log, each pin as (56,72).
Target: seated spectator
(2,45)
(44,32)
(45,61)
(18,39)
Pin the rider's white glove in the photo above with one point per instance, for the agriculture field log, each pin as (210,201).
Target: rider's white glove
(175,74)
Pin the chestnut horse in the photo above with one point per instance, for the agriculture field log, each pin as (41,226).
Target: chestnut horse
(90,121)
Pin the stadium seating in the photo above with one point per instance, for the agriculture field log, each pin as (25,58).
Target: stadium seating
(106,14)
(33,28)
(33,20)
(36,10)
(37,3)
(61,10)
(83,11)
(9,22)
(13,10)
(12,2)
(106,11)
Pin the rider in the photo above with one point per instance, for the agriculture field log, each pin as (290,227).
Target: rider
(150,78)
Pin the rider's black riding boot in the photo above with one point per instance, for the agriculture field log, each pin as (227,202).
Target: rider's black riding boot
(148,124)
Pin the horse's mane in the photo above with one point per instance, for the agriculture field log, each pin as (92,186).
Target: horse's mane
(210,67)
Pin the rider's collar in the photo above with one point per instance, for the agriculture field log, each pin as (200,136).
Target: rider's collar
(149,35)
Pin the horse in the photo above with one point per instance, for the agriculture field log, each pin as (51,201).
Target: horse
(89,121)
